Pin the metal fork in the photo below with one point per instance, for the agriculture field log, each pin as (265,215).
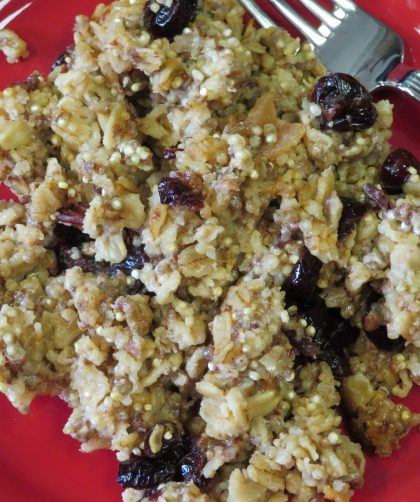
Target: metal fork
(350,41)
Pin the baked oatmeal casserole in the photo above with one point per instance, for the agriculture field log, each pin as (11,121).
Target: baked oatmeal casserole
(213,257)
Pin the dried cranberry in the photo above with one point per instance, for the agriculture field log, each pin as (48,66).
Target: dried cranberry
(169,21)
(180,459)
(301,284)
(345,104)
(178,192)
(394,171)
(377,198)
(72,216)
(353,212)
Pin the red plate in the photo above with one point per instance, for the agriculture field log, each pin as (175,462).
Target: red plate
(38,463)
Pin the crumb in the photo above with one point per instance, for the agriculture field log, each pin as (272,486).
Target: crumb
(13,46)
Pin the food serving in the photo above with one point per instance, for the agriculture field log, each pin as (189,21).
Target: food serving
(214,257)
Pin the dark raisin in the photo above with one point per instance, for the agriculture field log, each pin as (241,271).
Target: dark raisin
(380,338)
(179,192)
(341,332)
(136,258)
(139,98)
(310,349)
(336,359)
(333,334)
(192,465)
(138,288)
(275,203)
(143,473)
(61,59)
(377,198)
(68,244)
(305,345)
(69,252)
(345,104)
(72,216)
(394,171)
(175,449)
(140,102)
(353,212)
(134,77)
(73,257)
(301,360)
(169,21)
(69,236)
(300,286)
(180,459)
(368,296)
(170,153)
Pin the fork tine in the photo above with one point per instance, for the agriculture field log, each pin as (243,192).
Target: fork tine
(258,14)
(346,5)
(321,13)
(305,28)
(3,3)
(10,17)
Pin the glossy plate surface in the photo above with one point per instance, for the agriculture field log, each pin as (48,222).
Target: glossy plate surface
(38,463)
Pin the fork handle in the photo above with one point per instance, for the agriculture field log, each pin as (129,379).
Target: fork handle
(405,79)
